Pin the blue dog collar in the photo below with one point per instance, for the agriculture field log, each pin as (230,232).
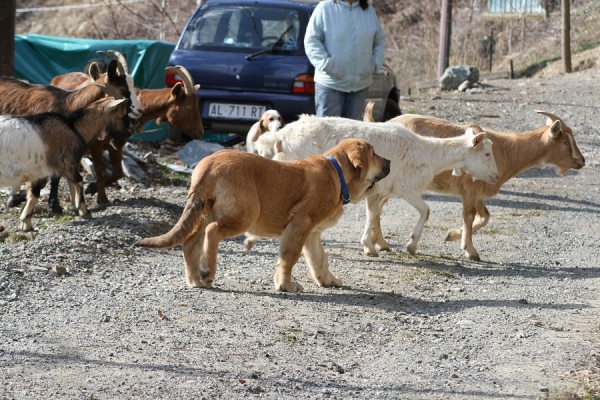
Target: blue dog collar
(345,192)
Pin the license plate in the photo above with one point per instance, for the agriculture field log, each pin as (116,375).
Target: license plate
(236,111)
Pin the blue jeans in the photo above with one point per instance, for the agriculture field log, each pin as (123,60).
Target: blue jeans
(333,103)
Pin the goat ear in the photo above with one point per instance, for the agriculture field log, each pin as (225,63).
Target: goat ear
(478,139)
(111,71)
(159,120)
(196,87)
(114,103)
(178,90)
(94,71)
(555,130)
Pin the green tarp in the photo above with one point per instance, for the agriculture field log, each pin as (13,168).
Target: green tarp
(40,58)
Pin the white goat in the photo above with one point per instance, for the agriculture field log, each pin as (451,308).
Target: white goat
(415,160)
(33,148)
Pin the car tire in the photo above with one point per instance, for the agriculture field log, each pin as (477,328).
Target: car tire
(392,109)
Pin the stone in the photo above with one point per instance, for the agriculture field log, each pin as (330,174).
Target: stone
(132,170)
(196,150)
(453,77)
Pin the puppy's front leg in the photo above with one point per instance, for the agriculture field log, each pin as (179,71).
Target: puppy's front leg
(289,252)
(192,251)
(318,264)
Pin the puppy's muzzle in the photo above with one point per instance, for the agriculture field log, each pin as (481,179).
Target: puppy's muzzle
(385,170)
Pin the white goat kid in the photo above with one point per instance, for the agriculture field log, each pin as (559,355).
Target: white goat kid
(415,160)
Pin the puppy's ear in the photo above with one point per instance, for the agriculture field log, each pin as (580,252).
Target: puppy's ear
(358,159)
(281,121)
(279,146)
(255,135)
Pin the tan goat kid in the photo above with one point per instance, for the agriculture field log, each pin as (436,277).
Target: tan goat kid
(514,153)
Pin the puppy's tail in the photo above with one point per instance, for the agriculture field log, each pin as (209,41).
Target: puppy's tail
(190,220)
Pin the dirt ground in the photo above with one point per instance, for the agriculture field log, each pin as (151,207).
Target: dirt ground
(522,323)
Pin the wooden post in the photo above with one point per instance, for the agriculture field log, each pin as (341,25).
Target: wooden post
(566,36)
(491,48)
(445,35)
(7,37)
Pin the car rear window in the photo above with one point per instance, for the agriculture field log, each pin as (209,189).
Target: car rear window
(246,29)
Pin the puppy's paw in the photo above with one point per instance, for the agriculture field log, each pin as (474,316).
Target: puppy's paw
(370,252)
(411,248)
(291,287)
(332,281)
(199,283)
(453,234)
(249,243)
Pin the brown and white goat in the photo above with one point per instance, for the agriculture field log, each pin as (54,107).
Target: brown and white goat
(35,147)
(177,105)
(552,143)
(22,98)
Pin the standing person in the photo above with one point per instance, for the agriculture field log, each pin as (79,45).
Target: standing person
(345,43)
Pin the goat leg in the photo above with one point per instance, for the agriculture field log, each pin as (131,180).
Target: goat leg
(17,196)
(33,194)
(467,234)
(116,161)
(417,202)
(97,150)
(53,198)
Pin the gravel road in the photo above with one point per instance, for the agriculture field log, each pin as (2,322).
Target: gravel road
(522,323)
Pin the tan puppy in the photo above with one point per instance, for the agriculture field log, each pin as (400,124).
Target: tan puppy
(233,192)
(271,121)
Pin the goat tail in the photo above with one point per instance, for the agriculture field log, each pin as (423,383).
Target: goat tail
(190,221)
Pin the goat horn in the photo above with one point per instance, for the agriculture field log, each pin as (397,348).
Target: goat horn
(551,116)
(121,61)
(185,77)
(121,58)
(110,91)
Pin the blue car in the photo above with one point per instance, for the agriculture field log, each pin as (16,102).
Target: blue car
(248,56)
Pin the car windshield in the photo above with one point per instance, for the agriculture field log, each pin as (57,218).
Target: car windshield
(245,29)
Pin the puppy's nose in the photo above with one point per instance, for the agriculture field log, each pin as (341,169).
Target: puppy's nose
(386,166)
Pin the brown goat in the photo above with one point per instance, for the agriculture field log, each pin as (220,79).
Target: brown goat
(553,144)
(22,98)
(77,80)
(48,144)
(177,105)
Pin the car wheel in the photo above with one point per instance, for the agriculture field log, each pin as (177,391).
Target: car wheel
(392,109)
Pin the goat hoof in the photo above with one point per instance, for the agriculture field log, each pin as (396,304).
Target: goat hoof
(56,208)
(16,199)
(86,216)
(103,201)
(91,188)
